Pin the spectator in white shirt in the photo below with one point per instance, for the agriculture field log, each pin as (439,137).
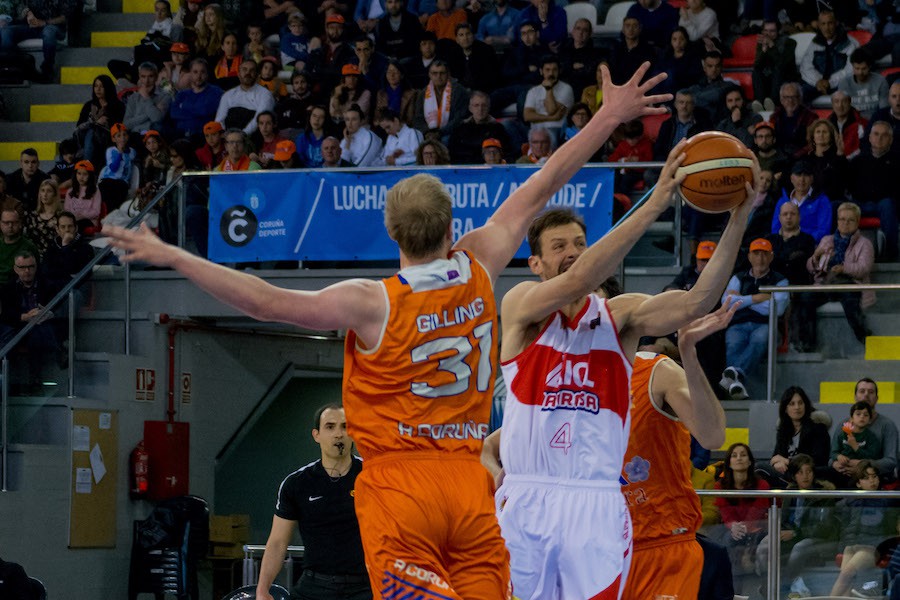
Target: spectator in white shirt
(360,147)
(240,106)
(402,141)
(547,104)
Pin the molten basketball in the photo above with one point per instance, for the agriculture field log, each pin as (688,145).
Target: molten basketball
(717,166)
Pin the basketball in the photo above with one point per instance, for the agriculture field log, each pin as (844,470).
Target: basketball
(717,166)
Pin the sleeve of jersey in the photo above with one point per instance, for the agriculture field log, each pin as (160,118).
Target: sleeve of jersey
(289,505)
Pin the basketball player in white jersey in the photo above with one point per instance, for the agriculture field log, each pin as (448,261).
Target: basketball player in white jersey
(566,358)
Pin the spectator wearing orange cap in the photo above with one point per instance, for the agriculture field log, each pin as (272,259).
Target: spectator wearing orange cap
(84,199)
(402,141)
(116,176)
(747,336)
(296,43)
(213,151)
(175,74)
(349,92)
(194,107)
(285,156)
(492,152)
(334,53)
(465,141)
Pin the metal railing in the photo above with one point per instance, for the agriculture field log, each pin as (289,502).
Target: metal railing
(254,552)
(773,316)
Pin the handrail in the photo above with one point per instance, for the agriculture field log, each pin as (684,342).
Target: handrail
(799,493)
(830,287)
(63,293)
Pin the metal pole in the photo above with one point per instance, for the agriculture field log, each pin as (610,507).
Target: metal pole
(774,541)
(4,398)
(770,361)
(71,350)
(127,309)
(182,201)
(678,240)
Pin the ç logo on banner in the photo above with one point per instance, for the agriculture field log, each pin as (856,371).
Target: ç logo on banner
(238,226)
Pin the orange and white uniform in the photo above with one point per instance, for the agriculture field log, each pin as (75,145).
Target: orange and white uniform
(418,404)
(665,510)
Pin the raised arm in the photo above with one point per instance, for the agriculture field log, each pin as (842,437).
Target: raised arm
(497,241)
(354,304)
(666,312)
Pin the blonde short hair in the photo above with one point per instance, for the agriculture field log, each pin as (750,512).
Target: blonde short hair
(849,206)
(417,215)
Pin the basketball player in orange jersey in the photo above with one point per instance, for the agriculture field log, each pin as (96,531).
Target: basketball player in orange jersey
(669,404)
(566,359)
(419,364)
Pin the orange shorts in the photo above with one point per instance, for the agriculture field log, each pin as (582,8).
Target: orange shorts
(670,571)
(428,526)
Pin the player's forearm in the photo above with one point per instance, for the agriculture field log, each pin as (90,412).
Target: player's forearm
(270,565)
(708,417)
(490,453)
(701,298)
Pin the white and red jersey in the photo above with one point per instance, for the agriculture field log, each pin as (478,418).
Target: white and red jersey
(567,407)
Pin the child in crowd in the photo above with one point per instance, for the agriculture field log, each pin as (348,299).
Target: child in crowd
(84,199)
(867,522)
(115,177)
(227,70)
(63,170)
(296,43)
(40,224)
(156,164)
(268,77)
(175,74)
(854,442)
(255,48)
(635,147)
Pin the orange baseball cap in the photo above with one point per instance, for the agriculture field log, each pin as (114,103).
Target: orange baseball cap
(117,128)
(334,18)
(705,250)
(151,133)
(212,127)
(284,150)
(84,164)
(180,48)
(761,244)
(491,143)
(764,124)
(350,69)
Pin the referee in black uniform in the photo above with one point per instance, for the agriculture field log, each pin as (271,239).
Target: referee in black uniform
(319,499)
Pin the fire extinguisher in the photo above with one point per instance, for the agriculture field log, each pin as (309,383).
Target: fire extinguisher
(140,467)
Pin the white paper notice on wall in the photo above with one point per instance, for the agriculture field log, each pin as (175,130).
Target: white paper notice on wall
(105,420)
(97,463)
(82,481)
(81,438)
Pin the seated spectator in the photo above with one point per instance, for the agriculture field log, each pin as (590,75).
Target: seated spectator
(872,183)
(155,164)
(432,153)
(848,122)
(64,169)
(181,159)
(791,120)
(746,339)
(740,120)
(538,149)
(443,22)
(398,32)
(466,140)
(40,224)
(256,47)
(472,62)
(853,441)
(770,157)
(84,200)
(759,222)
(792,246)
(332,154)
(240,106)
(801,16)
(296,43)
(825,153)
(499,26)
(210,33)
(395,93)
(547,104)
(148,106)
(45,19)
(441,105)
(815,207)
(774,64)
(268,77)
(492,152)
(890,115)
(592,95)
(309,143)
(578,58)
(196,106)
(867,523)
(658,19)
(417,68)
(709,93)
(827,59)
(265,139)
(327,60)
(116,177)
(226,73)
(743,519)
(635,147)
(521,71)
(286,156)
(347,93)
(402,141)
(868,91)
(175,74)
(846,257)
(680,61)
(371,64)
(701,23)
(578,117)
(12,219)
(685,122)
(552,19)
(236,157)
(186,17)
(213,151)
(23,183)
(292,111)
(67,254)
(97,115)
(360,147)
(367,14)
(797,433)
(630,52)
(21,299)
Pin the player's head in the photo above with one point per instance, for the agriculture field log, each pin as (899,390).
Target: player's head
(330,431)
(556,238)
(418,215)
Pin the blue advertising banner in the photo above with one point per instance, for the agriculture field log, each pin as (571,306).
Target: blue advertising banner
(339,215)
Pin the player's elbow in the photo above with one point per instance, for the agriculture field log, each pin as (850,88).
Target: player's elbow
(711,438)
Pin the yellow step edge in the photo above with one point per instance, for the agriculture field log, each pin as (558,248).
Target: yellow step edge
(138,6)
(733,435)
(81,75)
(11,151)
(841,392)
(116,39)
(883,347)
(55,113)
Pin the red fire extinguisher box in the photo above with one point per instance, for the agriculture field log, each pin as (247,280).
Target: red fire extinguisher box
(168,444)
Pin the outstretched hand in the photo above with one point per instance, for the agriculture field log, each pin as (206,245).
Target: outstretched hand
(140,245)
(706,325)
(629,101)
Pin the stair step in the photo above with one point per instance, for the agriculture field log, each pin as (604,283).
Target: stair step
(841,392)
(883,347)
(10,151)
(733,435)
(118,21)
(78,57)
(116,39)
(81,75)
(138,6)
(55,113)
